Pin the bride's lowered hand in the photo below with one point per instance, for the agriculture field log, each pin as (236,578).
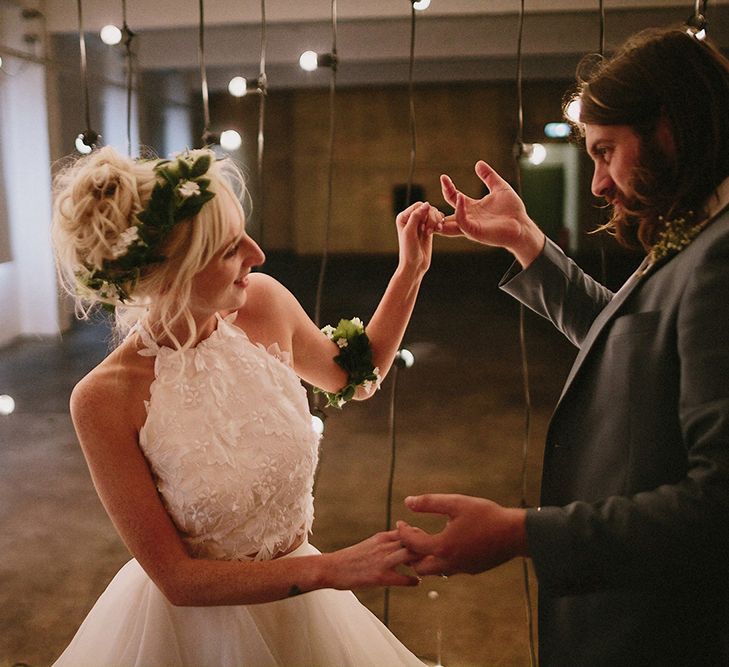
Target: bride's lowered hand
(372,562)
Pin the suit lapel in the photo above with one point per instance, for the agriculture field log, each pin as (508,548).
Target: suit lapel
(718,205)
(607,314)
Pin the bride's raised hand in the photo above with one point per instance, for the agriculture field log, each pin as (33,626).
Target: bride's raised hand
(369,563)
(497,219)
(415,227)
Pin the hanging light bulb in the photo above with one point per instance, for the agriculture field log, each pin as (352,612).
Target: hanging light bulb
(317,421)
(421,5)
(404,358)
(81,147)
(309,61)
(537,153)
(573,110)
(238,86)
(534,153)
(317,424)
(7,404)
(696,24)
(230,140)
(87,141)
(110,35)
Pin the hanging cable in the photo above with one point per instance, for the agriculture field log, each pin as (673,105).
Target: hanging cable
(207,137)
(262,86)
(128,37)
(603,252)
(330,174)
(411,104)
(89,138)
(398,360)
(519,151)
(84,67)
(390,479)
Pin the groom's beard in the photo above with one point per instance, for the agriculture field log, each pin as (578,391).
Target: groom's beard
(635,215)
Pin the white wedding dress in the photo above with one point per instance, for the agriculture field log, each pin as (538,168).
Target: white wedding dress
(229,439)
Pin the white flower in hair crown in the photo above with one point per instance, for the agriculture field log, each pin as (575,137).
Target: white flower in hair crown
(179,194)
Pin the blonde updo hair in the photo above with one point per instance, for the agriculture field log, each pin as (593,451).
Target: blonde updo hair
(98,197)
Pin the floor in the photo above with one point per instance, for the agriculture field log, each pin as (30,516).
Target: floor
(459,427)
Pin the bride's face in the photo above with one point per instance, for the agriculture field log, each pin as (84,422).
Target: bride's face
(222,284)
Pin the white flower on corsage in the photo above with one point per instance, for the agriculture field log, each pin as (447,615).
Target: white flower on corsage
(126,238)
(342,342)
(188,189)
(328,331)
(358,324)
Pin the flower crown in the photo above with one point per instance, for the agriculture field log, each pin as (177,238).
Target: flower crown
(179,194)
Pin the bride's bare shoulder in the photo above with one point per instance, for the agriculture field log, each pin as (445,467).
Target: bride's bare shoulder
(115,389)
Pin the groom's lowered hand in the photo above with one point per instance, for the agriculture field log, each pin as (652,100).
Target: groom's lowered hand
(479,534)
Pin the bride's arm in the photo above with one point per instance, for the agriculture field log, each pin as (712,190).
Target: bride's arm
(313,352)
(100,410)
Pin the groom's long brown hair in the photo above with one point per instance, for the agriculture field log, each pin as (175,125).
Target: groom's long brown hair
(670,76)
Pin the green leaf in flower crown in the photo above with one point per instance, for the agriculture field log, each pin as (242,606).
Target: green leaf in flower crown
(199,167)
(165,208)
(184,168)
(192,205)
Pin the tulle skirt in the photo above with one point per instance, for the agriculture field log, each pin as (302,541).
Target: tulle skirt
(133,625)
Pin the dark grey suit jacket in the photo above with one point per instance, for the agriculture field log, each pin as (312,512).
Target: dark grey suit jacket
(631,544)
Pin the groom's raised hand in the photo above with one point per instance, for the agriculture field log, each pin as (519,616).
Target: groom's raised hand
(497,219)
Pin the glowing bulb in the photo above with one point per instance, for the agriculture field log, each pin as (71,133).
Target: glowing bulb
(309,61)
(1,61)
(317,424)
(230,140)
(81,147)
(573,110)
(238,86)
(111,35)
(405,358)
(7,404)
(538,154)
(421,5)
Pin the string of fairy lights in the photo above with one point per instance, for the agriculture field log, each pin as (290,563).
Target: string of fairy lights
(230,140)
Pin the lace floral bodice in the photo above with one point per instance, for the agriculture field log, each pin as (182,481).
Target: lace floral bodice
(229,439)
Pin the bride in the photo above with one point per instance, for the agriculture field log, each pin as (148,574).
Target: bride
(196,428)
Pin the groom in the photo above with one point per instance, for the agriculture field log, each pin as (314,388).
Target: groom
(631,543)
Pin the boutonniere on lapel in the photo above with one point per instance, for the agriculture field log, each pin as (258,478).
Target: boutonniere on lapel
(674,236)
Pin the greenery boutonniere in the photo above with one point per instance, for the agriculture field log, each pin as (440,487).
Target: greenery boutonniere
(355,357)
(674,237)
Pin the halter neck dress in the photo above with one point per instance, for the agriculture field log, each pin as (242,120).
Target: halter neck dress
(229,441)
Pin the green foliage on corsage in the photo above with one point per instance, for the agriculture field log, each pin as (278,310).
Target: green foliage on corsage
(355,357)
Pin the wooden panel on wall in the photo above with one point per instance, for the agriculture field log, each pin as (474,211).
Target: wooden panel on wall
(457,124)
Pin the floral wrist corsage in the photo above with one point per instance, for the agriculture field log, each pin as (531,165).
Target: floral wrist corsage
(355,357)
